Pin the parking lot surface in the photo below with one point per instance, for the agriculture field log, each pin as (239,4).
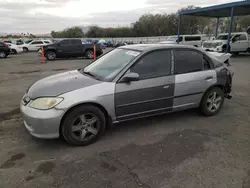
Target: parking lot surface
(176,150)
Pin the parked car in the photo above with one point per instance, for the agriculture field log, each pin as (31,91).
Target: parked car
(194,40)
(129,82)
(70,48)
(4,50)
(102,45)
(239,42)
(14,48)
(35,45)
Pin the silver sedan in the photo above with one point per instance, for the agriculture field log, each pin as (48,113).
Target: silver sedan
(129,82)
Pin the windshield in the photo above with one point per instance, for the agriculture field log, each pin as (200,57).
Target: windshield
(222,37)
(108,66)
(172,39)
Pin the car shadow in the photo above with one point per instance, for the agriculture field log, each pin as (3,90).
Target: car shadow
(120,128)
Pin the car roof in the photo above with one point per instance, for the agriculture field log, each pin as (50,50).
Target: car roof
(149,47)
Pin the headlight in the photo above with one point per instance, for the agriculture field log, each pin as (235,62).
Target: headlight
(45,103)
(219,43)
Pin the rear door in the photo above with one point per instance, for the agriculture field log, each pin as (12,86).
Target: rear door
(193,76)
(152,93)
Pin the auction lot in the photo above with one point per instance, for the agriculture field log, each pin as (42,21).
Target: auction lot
(176,150)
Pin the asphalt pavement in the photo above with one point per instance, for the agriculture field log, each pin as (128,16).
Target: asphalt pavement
(176,150)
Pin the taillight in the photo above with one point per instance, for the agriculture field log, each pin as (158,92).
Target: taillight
(6,45)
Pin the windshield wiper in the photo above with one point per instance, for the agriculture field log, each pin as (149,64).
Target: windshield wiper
(91,74)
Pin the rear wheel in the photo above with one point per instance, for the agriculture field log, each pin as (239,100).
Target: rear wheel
(50,55)
(3,55)
(212,101)
(236,53)
(25,49)
(83,125)
(89,54)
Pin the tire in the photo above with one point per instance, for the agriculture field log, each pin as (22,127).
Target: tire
(224,49)
(205,106)
(89,54)
(248,50)
(50,55)
(73,127)
(14,51)
(236,53)
(25,49)
(3,55)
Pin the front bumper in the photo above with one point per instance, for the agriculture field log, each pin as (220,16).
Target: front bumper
(42,123)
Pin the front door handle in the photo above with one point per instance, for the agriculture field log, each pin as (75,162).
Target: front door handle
(166,87)
(209,78)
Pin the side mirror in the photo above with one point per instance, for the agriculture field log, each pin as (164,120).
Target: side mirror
(132,76)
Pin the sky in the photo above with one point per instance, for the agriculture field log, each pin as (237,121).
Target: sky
(42,16)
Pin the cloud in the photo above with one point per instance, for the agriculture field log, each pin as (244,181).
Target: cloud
(42,16)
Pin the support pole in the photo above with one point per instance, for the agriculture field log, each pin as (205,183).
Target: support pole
(217,27)
(230,29)
(179,28)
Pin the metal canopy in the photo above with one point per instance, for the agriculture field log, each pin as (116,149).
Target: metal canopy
(240,8)
(224,10)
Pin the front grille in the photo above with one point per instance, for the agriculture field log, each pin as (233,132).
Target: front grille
(208,45)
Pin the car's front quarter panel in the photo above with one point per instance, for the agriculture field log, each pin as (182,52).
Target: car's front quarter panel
(102,94)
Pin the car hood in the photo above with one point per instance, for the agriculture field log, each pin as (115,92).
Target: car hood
(168,42)
(60,83)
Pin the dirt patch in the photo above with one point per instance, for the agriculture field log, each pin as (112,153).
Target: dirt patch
(11,162)
(25,72)
(7,115)
(46,167)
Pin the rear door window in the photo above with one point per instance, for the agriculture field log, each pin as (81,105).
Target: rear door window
(187,61)
(76,41)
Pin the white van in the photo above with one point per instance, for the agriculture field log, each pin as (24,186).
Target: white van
(194,40)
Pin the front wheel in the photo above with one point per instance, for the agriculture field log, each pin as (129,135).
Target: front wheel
(14,51)
(212,101)
(89,54)
(3,55)
(50,55)
(83,125)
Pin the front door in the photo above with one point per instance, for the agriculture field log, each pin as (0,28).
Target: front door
(193,76)
(63,48)
(152,93)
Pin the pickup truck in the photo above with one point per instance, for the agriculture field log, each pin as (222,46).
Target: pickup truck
(70,48)
(239,42)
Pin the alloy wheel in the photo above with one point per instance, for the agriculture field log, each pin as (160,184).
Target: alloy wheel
(214,102)
(85,127)
(90,54)
(51,55)
(2,54)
